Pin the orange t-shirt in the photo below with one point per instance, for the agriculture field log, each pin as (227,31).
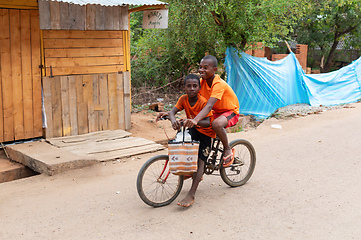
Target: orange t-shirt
(227,99)
(192,112)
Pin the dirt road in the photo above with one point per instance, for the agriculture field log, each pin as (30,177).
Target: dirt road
(305,186)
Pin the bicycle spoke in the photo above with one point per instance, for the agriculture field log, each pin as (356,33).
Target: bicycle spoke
(241,170)
(155,186)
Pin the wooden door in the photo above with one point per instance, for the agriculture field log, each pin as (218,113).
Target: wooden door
(20,75)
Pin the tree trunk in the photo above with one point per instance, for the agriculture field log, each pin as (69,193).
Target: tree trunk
(330,57)
(331,54)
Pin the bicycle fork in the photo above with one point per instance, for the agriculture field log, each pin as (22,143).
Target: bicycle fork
(163,180)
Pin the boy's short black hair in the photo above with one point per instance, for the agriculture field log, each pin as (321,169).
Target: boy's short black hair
(213,60)
(192,76)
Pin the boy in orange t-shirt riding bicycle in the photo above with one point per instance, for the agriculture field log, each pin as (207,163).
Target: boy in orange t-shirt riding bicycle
(193,103)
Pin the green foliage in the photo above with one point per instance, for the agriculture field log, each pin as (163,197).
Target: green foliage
(136,20)
(163,55)
(197,27)
(149,61)
(251,21)
(327,23)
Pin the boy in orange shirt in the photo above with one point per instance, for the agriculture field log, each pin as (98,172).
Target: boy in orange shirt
(222,100)
(193,103)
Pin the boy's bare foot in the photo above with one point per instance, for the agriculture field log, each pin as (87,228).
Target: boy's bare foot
(186,202)
(227,152)
(228,159)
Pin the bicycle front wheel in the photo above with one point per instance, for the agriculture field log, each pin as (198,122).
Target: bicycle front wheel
(243,166)
(156,186)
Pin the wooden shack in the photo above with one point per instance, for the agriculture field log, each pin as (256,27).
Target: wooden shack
(65,66)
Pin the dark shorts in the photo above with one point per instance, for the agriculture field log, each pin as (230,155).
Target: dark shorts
(205,143)
(231,117)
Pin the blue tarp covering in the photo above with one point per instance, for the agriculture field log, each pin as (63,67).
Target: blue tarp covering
(263,86)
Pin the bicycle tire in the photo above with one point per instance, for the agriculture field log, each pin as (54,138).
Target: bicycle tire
(152,189)
(245,162)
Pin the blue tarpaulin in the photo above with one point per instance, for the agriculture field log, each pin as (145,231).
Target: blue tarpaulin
(263,86)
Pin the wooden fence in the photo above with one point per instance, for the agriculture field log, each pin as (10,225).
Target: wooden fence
(81,104)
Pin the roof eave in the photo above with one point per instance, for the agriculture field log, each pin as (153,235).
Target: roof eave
(146,7)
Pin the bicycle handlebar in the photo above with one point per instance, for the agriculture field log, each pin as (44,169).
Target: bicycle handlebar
(165,118)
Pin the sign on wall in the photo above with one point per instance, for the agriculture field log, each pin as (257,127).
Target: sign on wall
(155,18)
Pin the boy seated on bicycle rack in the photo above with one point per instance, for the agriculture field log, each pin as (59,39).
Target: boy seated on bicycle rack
(193,103)
(221,100)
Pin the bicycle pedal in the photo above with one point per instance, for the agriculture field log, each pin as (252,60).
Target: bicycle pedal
(237,161)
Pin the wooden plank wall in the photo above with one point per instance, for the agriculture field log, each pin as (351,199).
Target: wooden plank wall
(82,104)
(64,16)
(20,75)
(19,4)
(69,52)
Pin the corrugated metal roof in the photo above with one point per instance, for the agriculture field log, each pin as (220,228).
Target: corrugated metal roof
(114,2)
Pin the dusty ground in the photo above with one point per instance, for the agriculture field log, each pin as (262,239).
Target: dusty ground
(144,125)
(305,186)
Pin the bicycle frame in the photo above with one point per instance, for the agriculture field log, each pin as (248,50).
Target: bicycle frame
(211,165)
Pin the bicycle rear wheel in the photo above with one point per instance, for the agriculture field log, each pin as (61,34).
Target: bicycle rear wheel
(243,166)
(156,186)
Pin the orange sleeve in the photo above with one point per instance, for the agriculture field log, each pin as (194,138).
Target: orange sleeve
(180,103)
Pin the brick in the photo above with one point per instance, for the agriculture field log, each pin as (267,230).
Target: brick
(276,57)
(268,53)
(301,55)
(259,50)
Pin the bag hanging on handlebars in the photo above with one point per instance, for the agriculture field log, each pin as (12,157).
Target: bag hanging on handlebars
(183,156)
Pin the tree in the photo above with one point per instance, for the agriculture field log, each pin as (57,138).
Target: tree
(243,23)
(327,23)
(199,26)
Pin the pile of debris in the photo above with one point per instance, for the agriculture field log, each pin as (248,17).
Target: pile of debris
(297,110)
(287,112)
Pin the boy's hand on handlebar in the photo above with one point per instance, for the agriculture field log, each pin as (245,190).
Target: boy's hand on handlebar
(189,123)
(176,125)
(161,115)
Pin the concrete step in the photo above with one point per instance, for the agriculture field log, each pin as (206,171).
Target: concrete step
(10,171)
(55,155)
(45,158)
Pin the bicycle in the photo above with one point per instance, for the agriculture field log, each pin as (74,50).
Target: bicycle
(157,187)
